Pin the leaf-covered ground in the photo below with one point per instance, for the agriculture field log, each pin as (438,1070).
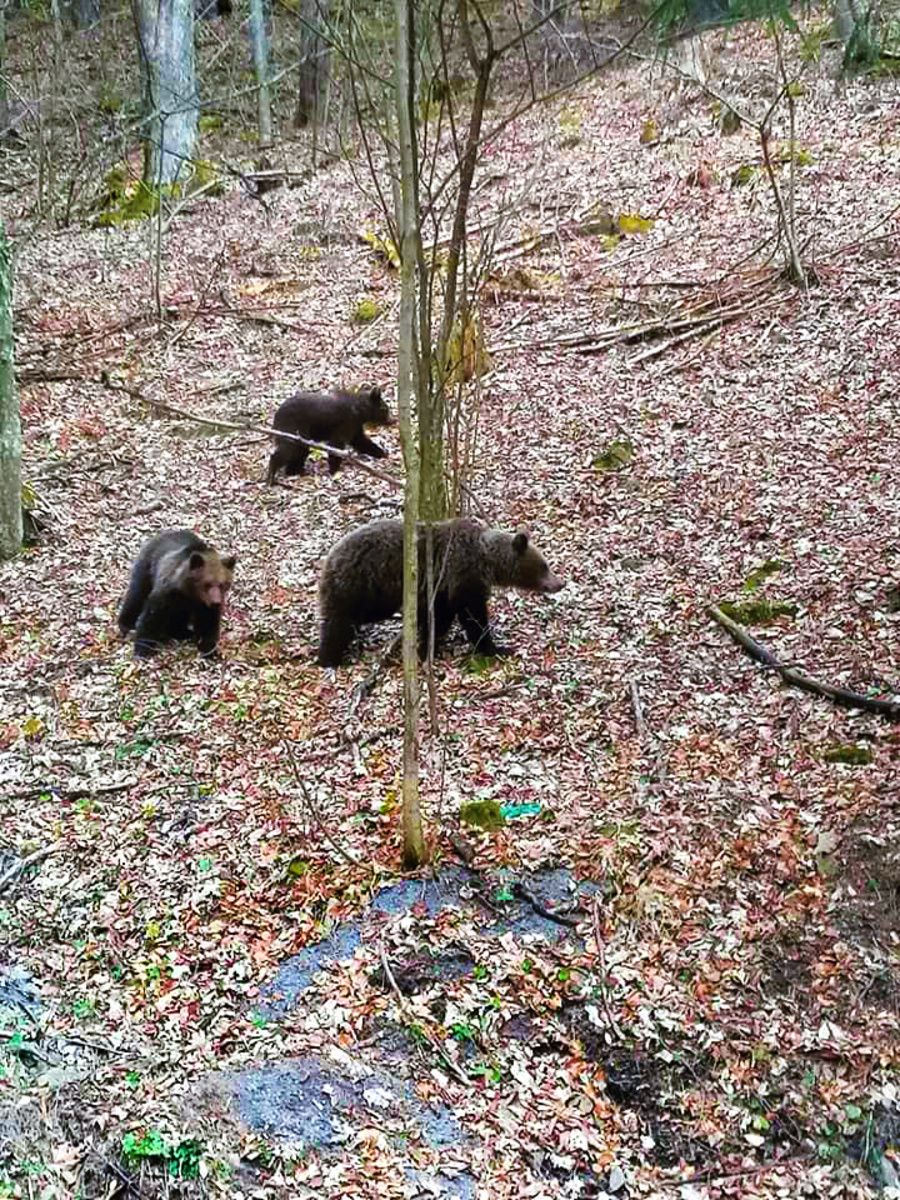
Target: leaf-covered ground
(728,1024)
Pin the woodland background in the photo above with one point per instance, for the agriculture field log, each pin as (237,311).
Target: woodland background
(677,423)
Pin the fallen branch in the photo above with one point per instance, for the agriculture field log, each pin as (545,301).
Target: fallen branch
(706,327)
(24,863)
(790,675)
(604,977)
(249,427)
(27,375)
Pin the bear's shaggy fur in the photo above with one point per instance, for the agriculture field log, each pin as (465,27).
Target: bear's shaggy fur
(336,420)
(362,581)
(177,588)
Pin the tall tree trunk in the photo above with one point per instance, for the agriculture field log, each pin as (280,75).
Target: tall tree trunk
(260,44)
(314,63)
(10,429)
(165,31)
(409,245)
(86,13)
(4,102)
(853,25)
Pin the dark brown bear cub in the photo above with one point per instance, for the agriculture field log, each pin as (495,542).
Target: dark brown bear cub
(337,420)
(177,588)
(362,580)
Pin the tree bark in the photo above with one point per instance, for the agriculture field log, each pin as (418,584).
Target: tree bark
(260,44)
(86,13)
(165,31)
(314,64)
(4,102)
(10,428)
(852,23)
(409,247)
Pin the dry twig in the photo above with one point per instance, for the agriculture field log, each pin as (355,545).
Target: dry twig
(604,988)
(313,811)
(249,427)
(429,1037)
(365,686)
(639,721)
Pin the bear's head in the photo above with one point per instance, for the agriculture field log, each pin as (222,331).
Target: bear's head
(529,569)
(209,576)
(379,413)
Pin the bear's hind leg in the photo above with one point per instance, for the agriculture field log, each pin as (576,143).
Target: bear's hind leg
(295,461)
(163,617)
(139,589)
(473,616)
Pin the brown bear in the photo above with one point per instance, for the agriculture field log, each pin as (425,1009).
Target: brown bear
(336,419)
(176,592)
(362,580)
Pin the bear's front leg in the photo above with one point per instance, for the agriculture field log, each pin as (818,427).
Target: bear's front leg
(474,620)
(207,623)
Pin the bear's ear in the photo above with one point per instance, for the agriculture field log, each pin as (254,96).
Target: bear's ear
(228,563)
(196,561)
(520,543)
(375,394)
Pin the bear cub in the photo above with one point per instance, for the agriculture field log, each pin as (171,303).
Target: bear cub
(337,420)
(178,585)
(362,581)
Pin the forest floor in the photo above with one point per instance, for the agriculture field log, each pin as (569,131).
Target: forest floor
(725,1019)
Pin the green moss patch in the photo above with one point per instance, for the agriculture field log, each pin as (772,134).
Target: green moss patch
(482,814)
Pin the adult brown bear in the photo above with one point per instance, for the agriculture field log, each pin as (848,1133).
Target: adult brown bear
(362,581)
(336,420)
(178,585)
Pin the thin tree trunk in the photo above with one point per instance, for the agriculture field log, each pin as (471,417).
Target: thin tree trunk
(260,44)
(409,237)
(10,428)
(56,18)
(434,488)
(165,31)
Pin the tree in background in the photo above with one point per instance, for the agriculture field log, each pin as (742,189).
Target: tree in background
(409,244)
(4,102)
(431,130)
(313,69)
(84,13)
(868,30)
(10,428)
(165,32)
(260,42)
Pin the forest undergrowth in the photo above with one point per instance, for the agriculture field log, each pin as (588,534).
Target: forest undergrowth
(728,1022)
